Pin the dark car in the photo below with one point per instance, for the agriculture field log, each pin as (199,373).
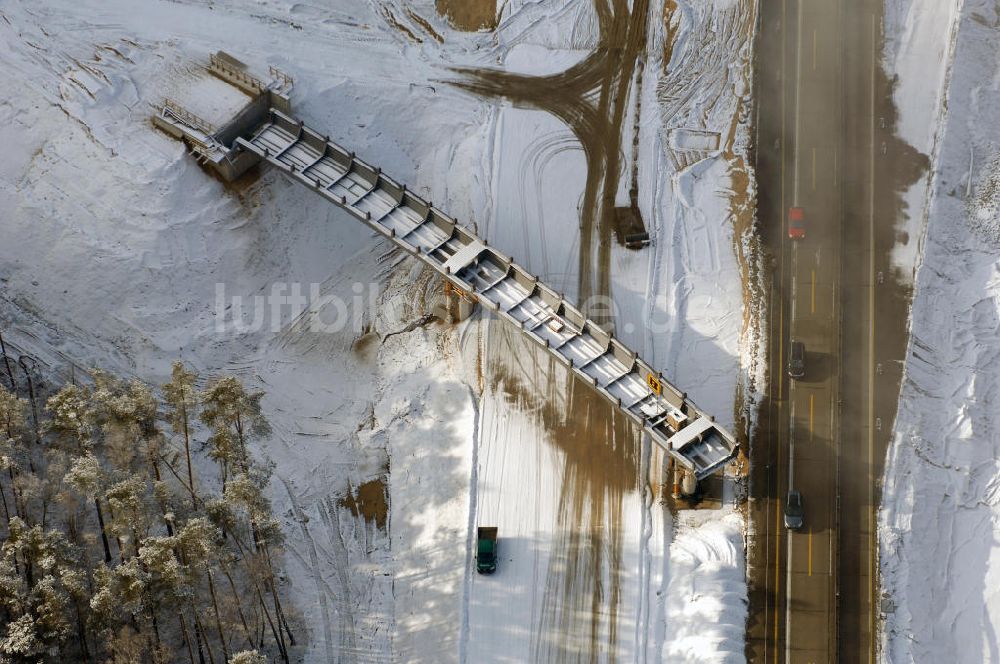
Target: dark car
(797,360)
(796,223)
(793,510)
(486,550)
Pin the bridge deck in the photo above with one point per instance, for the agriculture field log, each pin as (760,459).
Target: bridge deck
(496,282)
(492,279)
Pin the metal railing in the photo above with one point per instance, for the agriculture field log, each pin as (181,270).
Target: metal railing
(282,80)
(238,76)
(187,117)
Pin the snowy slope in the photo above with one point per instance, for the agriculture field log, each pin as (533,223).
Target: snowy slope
(118,250)
(938,526)
(122,252)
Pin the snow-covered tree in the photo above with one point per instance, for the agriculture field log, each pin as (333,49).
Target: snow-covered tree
(182,408)
(13,454)
(126,415)
(245,495)
(129,510)
(71,417)
(119,589)
(12,410)
(234,417)
(37,605)
(20,641)
(87,478)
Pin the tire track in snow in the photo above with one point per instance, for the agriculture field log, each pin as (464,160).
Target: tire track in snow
(645,557)
(537,161)
(463,643)
(314,569)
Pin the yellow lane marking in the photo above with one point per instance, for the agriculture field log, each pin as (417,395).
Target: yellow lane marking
(811,416)
(781,347)
(777,576)
(810,552)
(814,49)
(871,373)
(777,507)
(812,293)
(814,169)
(778,375)
(777,550)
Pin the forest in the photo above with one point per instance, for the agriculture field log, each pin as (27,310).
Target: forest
(115,548)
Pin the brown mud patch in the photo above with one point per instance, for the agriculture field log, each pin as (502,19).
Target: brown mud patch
(391,19)
(469,15)
(425,25)
(370,501)
(751,257)
(366,346)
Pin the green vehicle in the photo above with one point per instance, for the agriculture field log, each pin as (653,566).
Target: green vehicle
(486,550)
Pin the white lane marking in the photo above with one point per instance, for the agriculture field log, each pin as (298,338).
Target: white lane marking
(798,104)
(791,442)
(871,361)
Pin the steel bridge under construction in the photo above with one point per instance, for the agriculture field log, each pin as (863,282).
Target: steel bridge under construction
(265,131)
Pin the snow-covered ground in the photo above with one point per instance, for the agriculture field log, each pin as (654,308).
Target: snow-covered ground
(583,511)
(919,36)
(941,509)
(117,250)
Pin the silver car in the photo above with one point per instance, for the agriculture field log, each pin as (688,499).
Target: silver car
(797,360)
(793,510)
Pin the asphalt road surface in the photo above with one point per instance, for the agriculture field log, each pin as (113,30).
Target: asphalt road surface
(825,143)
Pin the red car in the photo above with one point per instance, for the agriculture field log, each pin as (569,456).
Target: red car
(796,223)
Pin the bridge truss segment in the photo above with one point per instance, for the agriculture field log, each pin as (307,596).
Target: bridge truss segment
(469,265)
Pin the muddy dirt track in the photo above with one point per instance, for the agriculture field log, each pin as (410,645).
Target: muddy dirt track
(591,97)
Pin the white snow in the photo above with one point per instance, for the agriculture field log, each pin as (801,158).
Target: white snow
(939,522)
(707,585)
(919,38)
(116,248)
(540,172)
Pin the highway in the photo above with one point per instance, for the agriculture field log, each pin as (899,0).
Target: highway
(824,143)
